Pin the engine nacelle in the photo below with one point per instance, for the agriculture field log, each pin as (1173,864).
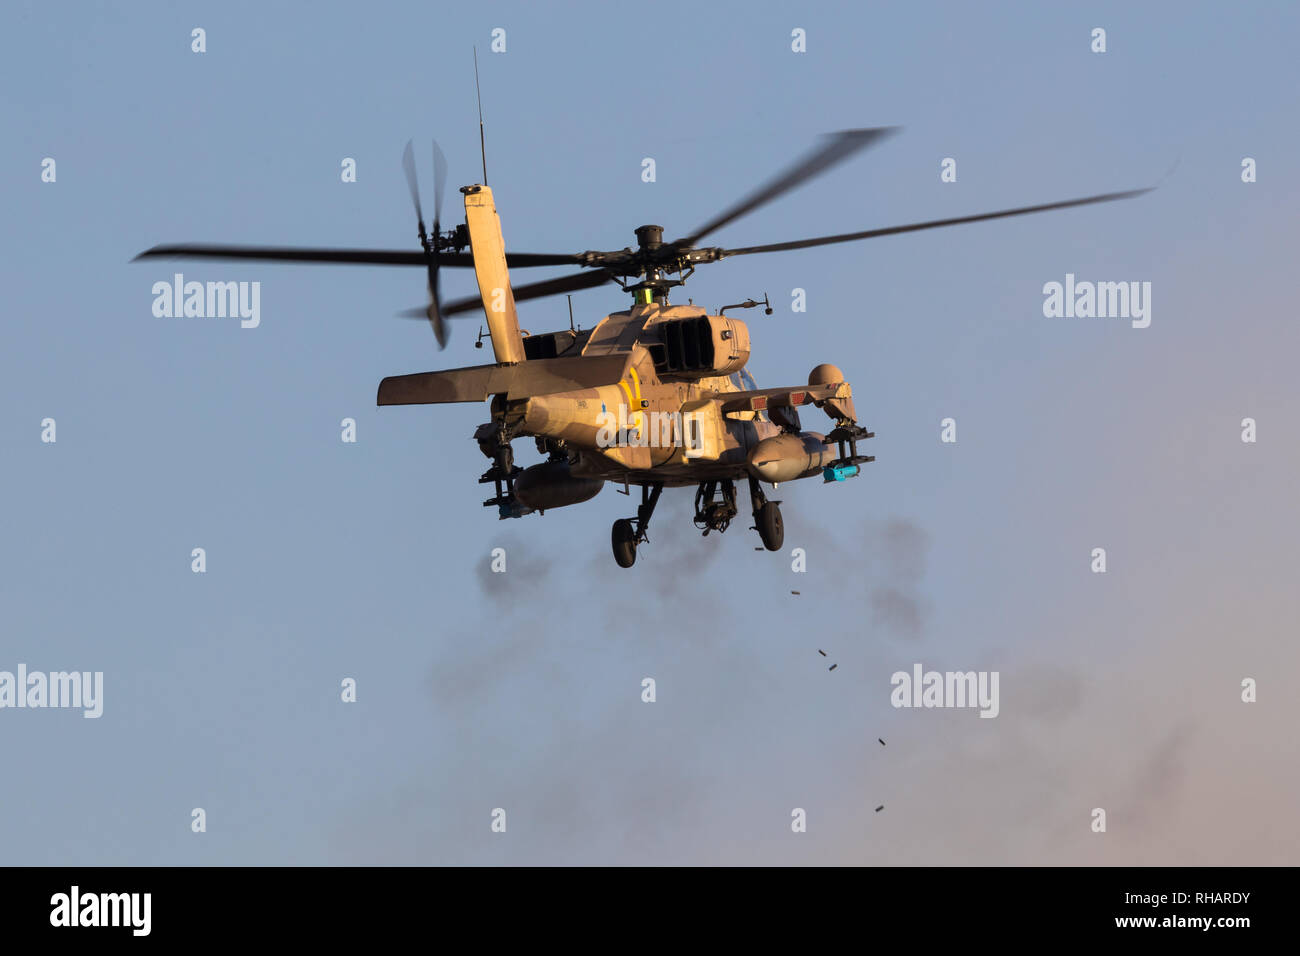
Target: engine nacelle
(550,485)
(787,457)
(700,346)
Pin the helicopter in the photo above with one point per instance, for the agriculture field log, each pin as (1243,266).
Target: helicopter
(657,395)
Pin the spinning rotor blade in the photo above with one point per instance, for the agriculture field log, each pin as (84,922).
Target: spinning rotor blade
(837,148)
(429,244)
(365,257)
(932,224)
(408,166)
(434,316)
(439,183)
(370,257)
(536,290)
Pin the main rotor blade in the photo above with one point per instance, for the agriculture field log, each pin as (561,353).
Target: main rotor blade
(372,257)
(408,166)
(932,224)
(536,290)
(837,148)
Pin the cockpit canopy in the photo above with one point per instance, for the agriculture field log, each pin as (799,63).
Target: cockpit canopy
(744,382)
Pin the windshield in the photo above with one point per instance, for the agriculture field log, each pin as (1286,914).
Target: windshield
(745,382)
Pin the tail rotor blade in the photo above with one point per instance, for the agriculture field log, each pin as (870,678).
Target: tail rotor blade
(439,182)
(433,311)
(408,164)
(436,320)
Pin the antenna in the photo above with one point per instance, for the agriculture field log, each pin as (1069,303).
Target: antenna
(570,298)
(482,145)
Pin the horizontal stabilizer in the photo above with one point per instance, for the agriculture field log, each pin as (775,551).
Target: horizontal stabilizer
(473,384)
(477,382)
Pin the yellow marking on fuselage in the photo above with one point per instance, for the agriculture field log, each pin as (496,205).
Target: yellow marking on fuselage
(640,415)
(634,405)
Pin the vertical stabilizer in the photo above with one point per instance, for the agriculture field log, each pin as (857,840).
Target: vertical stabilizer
(489,251)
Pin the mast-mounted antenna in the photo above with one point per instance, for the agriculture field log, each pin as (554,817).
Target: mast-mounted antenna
(482,145)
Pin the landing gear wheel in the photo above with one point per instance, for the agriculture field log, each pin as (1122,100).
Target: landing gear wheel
(770,526)
(623,538)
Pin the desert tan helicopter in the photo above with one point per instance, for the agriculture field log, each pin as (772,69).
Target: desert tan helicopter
(657,395)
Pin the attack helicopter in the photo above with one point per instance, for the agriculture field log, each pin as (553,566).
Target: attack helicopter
(655,396)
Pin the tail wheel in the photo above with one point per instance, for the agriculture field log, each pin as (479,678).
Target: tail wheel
(623,539)
(770,526)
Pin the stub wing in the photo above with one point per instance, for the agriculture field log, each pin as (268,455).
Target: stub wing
(837,398)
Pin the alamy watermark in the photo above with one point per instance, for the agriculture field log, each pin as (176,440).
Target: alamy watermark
(208,300)
(1101,300)
(642,429)
(75,908)
(922,688)
(38,689)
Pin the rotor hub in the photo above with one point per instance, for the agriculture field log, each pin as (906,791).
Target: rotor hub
(649,238)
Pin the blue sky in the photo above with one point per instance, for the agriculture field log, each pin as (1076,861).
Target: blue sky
(328,560)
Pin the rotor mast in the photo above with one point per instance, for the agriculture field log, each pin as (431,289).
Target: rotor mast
(654,287)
